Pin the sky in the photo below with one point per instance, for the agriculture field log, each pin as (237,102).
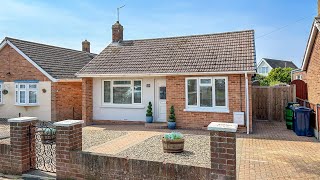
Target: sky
(282,27)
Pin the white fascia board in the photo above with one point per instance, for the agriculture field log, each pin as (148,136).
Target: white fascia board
(314,31)
(3,44)
(31,61)
(164,74)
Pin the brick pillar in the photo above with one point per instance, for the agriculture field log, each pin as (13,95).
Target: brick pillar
(22,142)
(223,150)
(68,139)
(87,100)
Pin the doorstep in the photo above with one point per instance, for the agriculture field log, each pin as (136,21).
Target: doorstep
(156,125)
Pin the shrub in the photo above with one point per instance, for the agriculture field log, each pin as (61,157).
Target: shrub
(282,75)
(172,116)
(173,136)
(50,131)
(149,110)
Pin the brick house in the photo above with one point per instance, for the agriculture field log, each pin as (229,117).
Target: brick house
(311,68)
(205,78)
(298,74)
(38,80)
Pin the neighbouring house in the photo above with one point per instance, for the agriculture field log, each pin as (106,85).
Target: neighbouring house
(298,74)
(39,80)
(205,77)
(266,65)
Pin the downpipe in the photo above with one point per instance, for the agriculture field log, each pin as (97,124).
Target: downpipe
(247,102)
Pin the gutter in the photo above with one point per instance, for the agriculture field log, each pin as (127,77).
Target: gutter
(165,74)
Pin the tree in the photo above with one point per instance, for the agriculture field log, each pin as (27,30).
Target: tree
(282,75)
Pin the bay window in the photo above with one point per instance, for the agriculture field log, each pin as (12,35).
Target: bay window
(26,93)
(122,92)
(207,94)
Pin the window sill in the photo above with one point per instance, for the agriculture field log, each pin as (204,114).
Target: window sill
(216,110)
(124,106)
(27,105)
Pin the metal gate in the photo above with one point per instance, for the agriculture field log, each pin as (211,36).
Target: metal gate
(44,147)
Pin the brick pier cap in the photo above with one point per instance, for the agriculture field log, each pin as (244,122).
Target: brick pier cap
(225,127)
(68,123)
(22,119)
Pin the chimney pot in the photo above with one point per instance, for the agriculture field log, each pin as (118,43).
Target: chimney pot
(86,46)
(117,32)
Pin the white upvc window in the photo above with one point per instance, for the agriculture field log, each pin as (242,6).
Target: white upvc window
(208,94)
(299,77)
(1,96)
(264,70)
(26,94)
(122,92)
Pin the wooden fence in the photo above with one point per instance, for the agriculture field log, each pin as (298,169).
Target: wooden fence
(268,103)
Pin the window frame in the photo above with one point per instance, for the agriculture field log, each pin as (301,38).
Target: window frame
(27,90)
(264,68)
(214,108)
(121,85)
(299,77)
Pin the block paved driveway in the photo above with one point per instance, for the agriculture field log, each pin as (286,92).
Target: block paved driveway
(273,152)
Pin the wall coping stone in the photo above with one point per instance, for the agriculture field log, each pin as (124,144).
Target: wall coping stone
(226,127)
(68,123)
(22,119)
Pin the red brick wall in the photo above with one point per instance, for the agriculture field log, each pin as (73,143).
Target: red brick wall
(87,102)
(19,68)
(313,73)
(176,97)
(5,159)
(18,156)
(73,163)
(66,100)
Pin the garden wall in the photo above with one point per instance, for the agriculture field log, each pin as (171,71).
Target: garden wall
(73,163)
(92,166)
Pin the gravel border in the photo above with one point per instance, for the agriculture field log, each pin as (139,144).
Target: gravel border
(94,137)
(196,151)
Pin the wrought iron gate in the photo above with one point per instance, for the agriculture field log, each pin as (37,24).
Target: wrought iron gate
(45,147)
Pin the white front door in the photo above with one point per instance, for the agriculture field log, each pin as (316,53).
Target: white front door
(161,95)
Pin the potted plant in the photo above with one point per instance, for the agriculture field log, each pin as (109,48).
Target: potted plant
(149,117)
(48,135)
(173,142)
(172,119)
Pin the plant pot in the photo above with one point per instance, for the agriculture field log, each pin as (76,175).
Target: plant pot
(172,125)
(173,146)
(149,119)
(47,139)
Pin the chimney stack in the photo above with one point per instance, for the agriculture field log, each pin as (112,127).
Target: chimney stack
(117,32)
(86,46)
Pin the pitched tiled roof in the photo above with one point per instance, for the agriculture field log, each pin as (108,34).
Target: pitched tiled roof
(60,63)
(233,51)
(274,63)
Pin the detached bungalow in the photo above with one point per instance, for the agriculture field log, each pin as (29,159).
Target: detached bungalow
(39,80)
(205,77)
